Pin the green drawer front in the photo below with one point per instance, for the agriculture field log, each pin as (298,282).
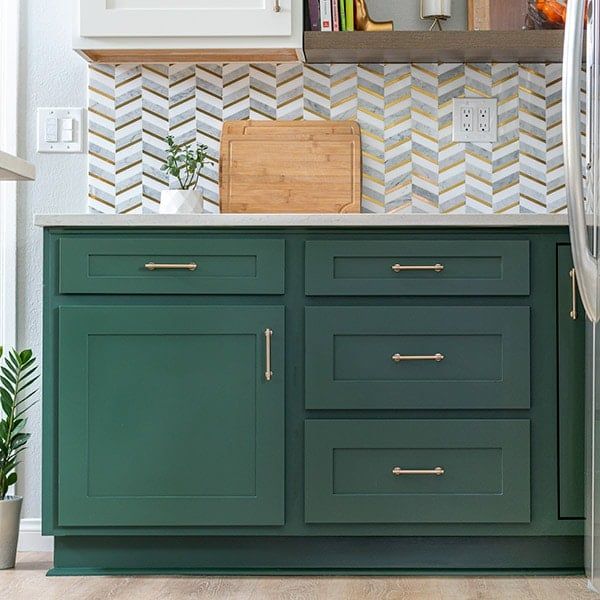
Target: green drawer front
(350,478)
(471,268)
(108,264)
(349,358)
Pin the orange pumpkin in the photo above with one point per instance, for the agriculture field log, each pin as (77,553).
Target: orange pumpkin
(553,10)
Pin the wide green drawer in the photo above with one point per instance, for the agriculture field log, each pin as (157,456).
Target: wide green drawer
(417,471)
(417,268)
(170,264)
(437,357)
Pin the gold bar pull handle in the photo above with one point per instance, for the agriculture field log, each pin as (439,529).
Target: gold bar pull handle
(397,358)
(398,268)
(399,471)
(277,6)
(268,371)
(573,276)
(170,266)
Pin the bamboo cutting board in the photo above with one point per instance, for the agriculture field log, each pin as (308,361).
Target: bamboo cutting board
(290,167)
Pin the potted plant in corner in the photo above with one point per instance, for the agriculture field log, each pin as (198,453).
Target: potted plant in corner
(184,164)
(17,374)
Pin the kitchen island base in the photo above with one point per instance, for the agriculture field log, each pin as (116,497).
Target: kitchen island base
(315,555)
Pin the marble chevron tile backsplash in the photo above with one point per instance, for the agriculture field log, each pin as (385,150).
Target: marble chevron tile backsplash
(410,163)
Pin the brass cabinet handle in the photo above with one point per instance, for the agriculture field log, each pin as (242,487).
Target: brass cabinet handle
(167,266)
(573,312)
(402,358)
(397,268)
(268,371)
(277,6)
(399,471)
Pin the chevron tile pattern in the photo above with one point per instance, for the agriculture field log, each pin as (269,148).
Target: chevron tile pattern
(398,138)
(410,163)
(155,127)
(101,139)
(505,153)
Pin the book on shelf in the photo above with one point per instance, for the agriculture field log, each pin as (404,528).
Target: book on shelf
(326,15)
(314,15)
(342,4)
(349,15)
(330,15)
(335,11)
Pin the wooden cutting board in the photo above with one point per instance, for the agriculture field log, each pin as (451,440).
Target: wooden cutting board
(290,167)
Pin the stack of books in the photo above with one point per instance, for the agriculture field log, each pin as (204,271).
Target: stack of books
(331,15)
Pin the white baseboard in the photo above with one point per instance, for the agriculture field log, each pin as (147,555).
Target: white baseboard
(31,539)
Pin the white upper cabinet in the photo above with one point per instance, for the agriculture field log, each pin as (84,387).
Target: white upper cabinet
(185,18)
(188,30)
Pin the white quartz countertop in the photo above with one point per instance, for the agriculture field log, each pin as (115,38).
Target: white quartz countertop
(302,220)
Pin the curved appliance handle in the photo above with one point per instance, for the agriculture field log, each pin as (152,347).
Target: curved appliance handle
(585,263)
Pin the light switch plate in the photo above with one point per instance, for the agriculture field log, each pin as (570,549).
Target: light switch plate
(475,120)
(61,130)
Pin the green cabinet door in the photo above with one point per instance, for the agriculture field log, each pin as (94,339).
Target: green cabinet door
(571,392)
(166,416)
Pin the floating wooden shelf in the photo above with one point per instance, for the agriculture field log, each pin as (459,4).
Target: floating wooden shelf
(435,46)
(184,55)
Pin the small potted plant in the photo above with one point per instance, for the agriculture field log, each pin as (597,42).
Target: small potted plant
(184,164)
(17,374)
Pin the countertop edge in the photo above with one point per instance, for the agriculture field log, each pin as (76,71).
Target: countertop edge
(300,220)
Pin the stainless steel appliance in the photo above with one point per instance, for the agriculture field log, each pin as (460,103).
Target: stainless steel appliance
(583,194)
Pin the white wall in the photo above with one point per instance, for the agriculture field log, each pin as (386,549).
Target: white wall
(51,74)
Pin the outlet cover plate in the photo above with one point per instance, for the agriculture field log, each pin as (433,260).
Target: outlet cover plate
(484,126)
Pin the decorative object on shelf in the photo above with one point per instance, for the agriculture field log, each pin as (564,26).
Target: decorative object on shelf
(363,22)
(19,372)
(184,163)
(495,15)
(436,10)
(546,14)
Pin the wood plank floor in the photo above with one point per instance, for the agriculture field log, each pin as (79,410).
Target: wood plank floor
(28,582)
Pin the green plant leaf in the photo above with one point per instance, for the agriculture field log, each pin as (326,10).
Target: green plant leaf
(7,405)
(7,384)
(14,358)
(19,425)
(9,374)
(25,356)
(25,385)
(5,394)
(23,399)
(11,479)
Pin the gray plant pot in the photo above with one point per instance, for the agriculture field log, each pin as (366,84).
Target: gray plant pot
(10,518)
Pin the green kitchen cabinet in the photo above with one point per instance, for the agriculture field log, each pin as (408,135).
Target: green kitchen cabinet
(166,416)
(571,390)
(180,437)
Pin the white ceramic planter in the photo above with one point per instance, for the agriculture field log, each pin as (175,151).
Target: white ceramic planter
(10,518)
(181,202)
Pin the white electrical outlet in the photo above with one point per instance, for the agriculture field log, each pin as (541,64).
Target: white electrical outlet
(475,120)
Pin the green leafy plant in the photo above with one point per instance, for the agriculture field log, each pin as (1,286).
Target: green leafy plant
(185,163)
(17,374)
